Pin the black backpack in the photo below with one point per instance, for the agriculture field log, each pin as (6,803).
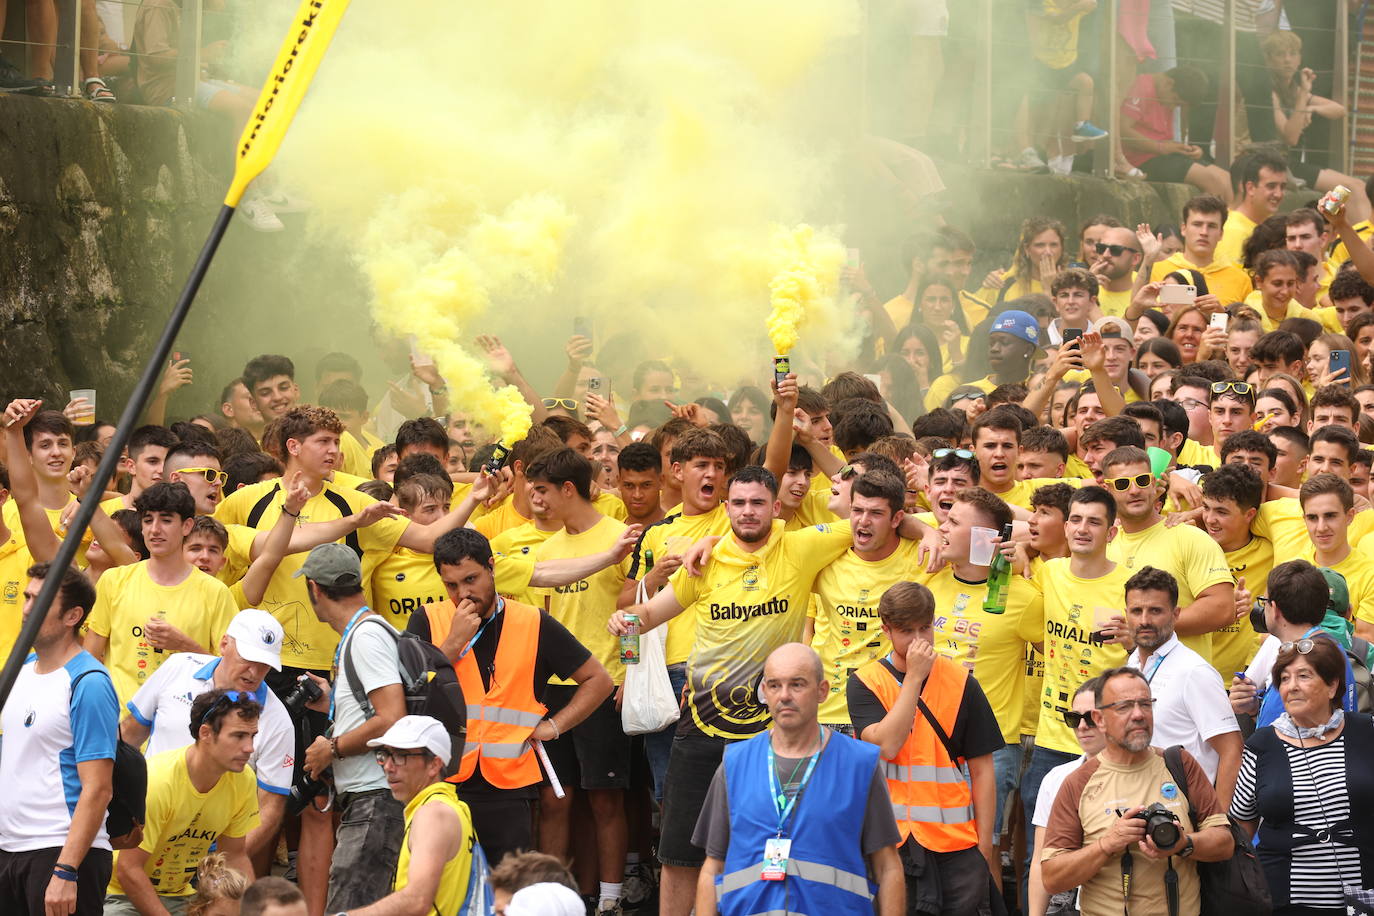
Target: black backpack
(1235,886)
(128,803)
(430,683)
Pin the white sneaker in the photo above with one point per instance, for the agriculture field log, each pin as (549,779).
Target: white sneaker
(1061,165)
(1030,159)
(283,201)
(260,216)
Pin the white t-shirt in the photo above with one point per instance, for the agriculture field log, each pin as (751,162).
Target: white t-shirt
(378,665)
(164,701)
(1262,665)
(48,731)
(1049,790)
(1191,704)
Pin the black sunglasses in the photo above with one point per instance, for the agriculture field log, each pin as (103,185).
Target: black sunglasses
(1116,250)
(1074,719)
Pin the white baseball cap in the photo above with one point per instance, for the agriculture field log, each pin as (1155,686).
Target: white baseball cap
(257,637)
(545,899)
(413,733)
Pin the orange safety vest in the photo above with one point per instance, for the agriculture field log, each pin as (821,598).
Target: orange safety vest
(932,794)
(501,718)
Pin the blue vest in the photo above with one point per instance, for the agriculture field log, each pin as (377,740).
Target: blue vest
(826,870)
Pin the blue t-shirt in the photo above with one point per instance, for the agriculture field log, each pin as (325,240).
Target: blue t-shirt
(1271,704)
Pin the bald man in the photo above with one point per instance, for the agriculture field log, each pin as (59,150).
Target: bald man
(796,816)
(1116,259)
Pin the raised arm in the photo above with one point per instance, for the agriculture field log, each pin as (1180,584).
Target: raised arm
(778,455)
(421,538)
(276,543)
(503,365)
(552,573)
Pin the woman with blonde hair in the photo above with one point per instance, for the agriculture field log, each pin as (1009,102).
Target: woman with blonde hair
(1039,256)
(219,888)
(1319,363)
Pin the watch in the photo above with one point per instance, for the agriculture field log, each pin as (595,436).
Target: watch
(1188,848)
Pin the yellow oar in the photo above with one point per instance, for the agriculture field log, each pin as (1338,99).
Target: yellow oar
(305,43)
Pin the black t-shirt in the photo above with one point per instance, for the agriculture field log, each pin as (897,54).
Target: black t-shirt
(558,654)
(975,733)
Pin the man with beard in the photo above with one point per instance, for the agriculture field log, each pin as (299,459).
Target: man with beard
(1118,257)
(1191,706)
(1086,838)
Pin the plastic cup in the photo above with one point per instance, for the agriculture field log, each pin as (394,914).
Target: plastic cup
(85,415)
(981,546)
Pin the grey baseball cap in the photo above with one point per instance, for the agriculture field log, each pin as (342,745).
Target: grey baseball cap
(332,565)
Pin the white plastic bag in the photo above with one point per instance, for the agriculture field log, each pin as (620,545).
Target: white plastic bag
(648,704)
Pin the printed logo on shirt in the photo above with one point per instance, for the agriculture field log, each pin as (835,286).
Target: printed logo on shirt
(581,585)
(734,611)
(400,577)
(750,579)
(11,591)
(29,717)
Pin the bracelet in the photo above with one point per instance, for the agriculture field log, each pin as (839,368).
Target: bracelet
(286,511)
(334,748)
(67,868)
(63,875)
(556,732)
(442,389)
(622,431)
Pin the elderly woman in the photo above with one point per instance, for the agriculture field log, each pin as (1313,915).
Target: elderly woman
(1306,785)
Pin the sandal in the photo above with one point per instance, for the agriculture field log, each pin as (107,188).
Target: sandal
(95,90)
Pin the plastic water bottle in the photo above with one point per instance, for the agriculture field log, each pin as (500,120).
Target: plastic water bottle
(999,578)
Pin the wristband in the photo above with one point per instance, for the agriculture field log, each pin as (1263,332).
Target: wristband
(67,868)
(556,732)
(286,511)
(441,389)
(622,431)
(334,748)
(63,875)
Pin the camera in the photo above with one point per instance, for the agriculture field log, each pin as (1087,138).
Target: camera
(1161,825)
(303,792)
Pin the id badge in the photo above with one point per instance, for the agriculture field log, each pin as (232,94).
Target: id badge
(775,853)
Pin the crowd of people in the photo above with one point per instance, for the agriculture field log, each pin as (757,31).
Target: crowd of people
(1073,585)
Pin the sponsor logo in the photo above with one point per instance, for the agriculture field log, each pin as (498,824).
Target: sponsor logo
(734,611)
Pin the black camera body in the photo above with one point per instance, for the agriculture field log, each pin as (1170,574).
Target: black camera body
(1161,826)
(305,691)
(304,792)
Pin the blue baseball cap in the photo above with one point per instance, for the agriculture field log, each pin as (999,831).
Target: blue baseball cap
(1018,324)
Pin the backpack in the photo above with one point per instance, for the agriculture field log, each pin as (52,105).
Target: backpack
(127,810)
(430,684)
(1358,654)
(1236,886)
(478,901)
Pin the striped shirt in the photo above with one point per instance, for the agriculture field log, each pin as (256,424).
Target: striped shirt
(1319,799)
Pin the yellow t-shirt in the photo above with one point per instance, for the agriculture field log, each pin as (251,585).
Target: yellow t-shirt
(1022,490)
(975,309)
(522,541)
(356,457)
(1225,280)
(671,536)
(126,597)
(1234,646)
(1054,42)
(1358,570)
(1187,553)
(1280,520)
(945,384)
(610,505)
(1234,234)
(1113,303)
(1327,315)
(848,632)
(1077,468)
(990,646)
(404,582)
(182,824)
(1015,288)
(1071,612)
(14,576)
(342,480)
(1194,453)
(746,605)
(308,642)
(238,553)
(1295,310)
(899,309)
(10,513)
(584,606)
(114,504)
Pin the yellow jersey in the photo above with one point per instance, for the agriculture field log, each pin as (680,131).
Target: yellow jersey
(404,582)
(1234,234)
(1233,646)
(1022,490)
(1114,303)
(14,577)
(453,880)
(126,597)
(10,513)
(671,536)
(943,386)
(1193,453)
(584,606)
(1358,570)
(1280,520)
(522,541)
(1225,280)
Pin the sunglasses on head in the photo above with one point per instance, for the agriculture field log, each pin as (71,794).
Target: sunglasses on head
(957,452)
(1116,250)
(1122,484)
(1073,719)
(1304,646)
(225,699)
(212,475)
(565,403)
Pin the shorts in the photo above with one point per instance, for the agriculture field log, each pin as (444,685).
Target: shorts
(1170,167)
(693,764)
(503,824)
(119,905)
(1307,172)
(282,683)
(208,89)
(595,753)
(366,848)
(24,879)
(1048,79)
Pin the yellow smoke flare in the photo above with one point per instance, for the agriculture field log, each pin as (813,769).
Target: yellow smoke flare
(434,272)
(806,279)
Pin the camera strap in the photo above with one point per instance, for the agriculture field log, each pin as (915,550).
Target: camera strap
(1126,866)
(1170,885)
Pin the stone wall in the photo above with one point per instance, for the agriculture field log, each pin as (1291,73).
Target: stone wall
(103,210)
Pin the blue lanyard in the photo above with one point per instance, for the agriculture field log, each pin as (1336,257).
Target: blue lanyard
(500,606)
(1159,660)
(352,622)
(778,797)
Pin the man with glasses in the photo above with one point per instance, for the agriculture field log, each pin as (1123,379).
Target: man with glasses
(1206,592)
(1303,603)
(200,796)
(1194,394)
(197,465)
(145,612)
(1191,707)
(1095,837)
(440,866)
(1230,410)
(1118,258)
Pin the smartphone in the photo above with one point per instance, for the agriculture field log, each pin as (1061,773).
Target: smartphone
(1177,294)
(179,355)
(598,384)
(1340,360)
(1071,335)
(582,327)
(497,461)
(1219,320)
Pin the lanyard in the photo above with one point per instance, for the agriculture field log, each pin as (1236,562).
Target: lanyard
(352,622)
(1159,660)
(500,606)
(784,810)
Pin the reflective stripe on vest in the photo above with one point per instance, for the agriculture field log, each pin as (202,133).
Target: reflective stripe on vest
(500,718)
(932,795)
(810,871)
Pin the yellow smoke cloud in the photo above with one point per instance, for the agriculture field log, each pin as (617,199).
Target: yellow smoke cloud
(507,166)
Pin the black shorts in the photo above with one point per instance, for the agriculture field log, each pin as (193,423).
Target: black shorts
(1170,167)
(595,753)
(691,767)
(503,824)
(1047,79)
(282,683)
(1307,171)
(24,879)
